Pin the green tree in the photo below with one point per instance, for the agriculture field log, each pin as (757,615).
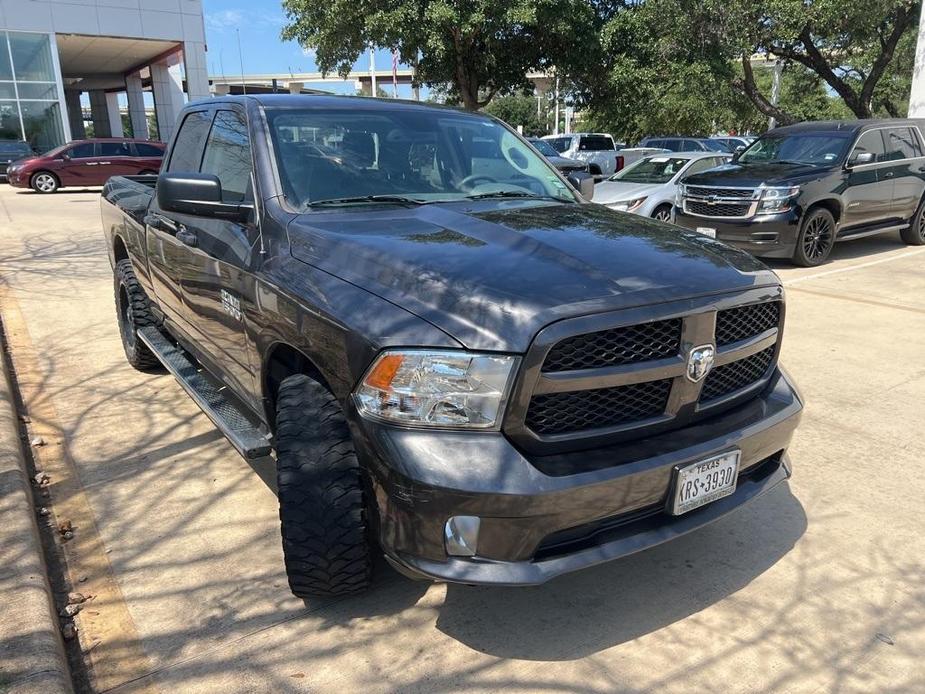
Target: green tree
(518,109)
(479,47)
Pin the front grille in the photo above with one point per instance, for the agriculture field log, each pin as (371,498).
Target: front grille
(719,209)
(626,345)
(559,413)
(743,322)
(704,192)
(736,375)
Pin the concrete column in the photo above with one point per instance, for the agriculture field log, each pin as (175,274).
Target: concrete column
(136,106)
(75,114)
(197,79)
(167,86)
(296,87)
(115,118)
(917,97)
(99,114)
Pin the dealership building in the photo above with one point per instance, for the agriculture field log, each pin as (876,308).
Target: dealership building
(53,52)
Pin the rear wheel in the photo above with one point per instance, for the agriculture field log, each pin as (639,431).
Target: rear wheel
(44,182)
(662,213)
(322,499)
(133,312)
(914,235)
(816,238)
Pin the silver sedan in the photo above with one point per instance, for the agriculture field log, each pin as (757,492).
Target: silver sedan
(648,187)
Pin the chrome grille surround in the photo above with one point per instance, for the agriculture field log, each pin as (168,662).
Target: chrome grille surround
(721,202)
(682,405)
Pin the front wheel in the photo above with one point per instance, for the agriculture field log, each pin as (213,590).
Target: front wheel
(662,213)
(44,182)
(816,238)
(914,234)
(322,499)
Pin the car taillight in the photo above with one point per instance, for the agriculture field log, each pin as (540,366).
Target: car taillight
(619,163)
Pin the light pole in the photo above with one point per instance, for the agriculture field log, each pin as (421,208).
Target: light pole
(917,95)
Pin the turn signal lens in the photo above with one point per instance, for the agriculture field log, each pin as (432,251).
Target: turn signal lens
(437,389)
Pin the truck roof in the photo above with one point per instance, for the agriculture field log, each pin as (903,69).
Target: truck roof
(332,101)
(849,126)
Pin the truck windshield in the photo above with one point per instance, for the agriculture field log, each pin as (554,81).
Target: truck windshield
(413,155)
(797,148)
(651,170)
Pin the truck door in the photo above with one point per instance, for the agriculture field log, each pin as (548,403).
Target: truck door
(217,284)
(868,192)
(167,256)
(907,166)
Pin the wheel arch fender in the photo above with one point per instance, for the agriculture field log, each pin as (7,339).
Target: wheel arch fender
(833,205)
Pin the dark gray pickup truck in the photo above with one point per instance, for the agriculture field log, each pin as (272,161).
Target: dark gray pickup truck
(452,356)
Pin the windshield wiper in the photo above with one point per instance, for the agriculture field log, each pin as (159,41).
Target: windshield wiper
(514,194)
(395,199)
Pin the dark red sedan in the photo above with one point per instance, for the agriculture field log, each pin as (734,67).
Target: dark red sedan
(86,163)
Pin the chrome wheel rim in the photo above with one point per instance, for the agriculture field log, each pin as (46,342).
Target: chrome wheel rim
(663,215)
(45,183)
(922,223)
(817,238)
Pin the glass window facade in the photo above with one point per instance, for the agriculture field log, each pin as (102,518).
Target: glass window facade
(29,101)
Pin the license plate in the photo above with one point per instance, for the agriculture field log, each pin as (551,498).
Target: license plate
(707,231)
(700,483)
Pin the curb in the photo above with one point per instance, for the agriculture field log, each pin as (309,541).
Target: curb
(32,659)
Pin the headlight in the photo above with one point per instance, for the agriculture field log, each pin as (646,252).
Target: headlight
(437,389)
(774,200)
(626,205)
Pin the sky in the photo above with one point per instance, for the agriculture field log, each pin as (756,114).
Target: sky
(259,23)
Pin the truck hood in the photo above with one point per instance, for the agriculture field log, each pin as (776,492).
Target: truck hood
(734,174)
(491,274)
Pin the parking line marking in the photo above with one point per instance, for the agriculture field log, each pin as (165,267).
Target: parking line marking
(859,300)
(859,266)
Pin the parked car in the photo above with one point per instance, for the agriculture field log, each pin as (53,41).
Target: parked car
(685,144)
(86,163)
(597,149)
(798,190)
(10,151)
(649,186)
(563,164)
(457,359)
(734,143)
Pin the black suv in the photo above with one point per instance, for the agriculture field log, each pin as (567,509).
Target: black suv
(797,190)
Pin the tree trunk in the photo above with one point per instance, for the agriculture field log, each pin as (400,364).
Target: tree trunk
(748,87)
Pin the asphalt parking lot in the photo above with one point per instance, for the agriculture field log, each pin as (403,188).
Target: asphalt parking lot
(818,586)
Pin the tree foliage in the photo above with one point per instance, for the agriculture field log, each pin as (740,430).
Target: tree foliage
(480,47)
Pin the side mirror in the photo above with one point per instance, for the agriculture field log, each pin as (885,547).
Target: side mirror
(198,194)
(862,158)
(65,156)
(583,182)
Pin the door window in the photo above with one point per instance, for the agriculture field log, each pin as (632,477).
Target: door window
(901,143)
(228,155)
(145,150)
(187,148)
(81,151)
(870,142)
(115,149)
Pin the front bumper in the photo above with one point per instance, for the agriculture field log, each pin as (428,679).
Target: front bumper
(19,179)
(550,515)
(767,236)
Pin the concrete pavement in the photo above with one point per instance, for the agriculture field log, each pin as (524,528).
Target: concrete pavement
(815,587)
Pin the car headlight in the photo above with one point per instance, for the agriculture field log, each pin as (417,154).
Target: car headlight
(778,199)
(627,205)
(437,388)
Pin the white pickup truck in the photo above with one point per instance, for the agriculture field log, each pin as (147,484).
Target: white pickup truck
(597,149)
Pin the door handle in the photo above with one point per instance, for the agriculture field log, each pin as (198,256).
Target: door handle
(187,237)
(105,162)
(91,163)
(161,223)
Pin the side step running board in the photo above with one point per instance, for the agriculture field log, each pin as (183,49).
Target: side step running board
(243,435)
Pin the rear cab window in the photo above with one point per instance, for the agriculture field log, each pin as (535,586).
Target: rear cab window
(186,152)
(595,143)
